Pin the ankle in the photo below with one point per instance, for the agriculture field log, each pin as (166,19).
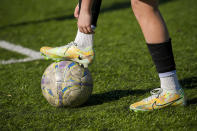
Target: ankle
(170,82)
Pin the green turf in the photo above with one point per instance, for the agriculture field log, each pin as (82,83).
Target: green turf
(122,71)
(12,55)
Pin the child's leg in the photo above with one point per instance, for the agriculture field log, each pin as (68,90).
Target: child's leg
(95,10)
(86,40)
(150,20)
(159,44)
(81,50)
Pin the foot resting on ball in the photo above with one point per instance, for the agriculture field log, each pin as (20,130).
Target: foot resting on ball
(69,52)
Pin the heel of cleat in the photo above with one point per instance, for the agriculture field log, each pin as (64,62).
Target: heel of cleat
(84,65)
(82,62)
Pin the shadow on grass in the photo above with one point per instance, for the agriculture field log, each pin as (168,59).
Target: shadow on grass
(97,99)
(190,83)
(192,101)
(113,7)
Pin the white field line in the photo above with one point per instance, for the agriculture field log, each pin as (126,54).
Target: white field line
(11,61)
(32,55)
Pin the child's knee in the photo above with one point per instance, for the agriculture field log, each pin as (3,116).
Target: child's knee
(142,7)
(141,4)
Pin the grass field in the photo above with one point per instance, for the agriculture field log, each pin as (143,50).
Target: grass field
(123,72)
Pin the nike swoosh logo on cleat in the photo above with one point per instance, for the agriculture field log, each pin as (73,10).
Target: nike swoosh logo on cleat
(79,57)
(168,103)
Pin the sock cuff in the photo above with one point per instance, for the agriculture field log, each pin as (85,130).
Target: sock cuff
(166,74)
(165,42)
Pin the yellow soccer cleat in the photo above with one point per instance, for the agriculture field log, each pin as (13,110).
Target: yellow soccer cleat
(160,98)
(69,52)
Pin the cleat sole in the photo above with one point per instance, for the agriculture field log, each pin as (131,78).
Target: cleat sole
(82,62)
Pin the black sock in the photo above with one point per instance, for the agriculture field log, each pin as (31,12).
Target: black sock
(162,56)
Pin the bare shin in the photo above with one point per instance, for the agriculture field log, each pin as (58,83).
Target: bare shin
(150,20)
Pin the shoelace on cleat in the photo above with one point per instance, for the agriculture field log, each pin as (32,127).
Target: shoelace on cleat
(155,93)
(69,45)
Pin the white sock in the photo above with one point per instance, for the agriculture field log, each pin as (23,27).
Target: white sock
(84,40)
(165,74)
(170,83)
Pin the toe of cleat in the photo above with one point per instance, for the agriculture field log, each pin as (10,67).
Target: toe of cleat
(46,58)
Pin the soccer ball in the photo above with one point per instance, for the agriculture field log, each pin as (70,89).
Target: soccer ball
(67,84)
